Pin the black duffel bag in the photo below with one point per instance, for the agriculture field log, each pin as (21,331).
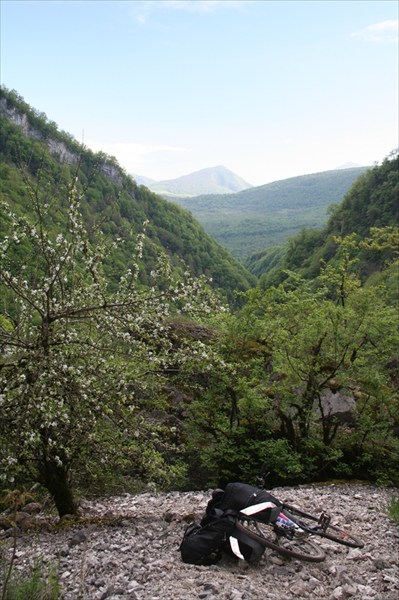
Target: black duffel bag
(239,496)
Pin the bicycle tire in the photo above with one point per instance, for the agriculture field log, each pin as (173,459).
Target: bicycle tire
(288,545)
(332,532)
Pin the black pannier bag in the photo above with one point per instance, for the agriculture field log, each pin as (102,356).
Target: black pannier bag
(203,544)
(244,547)
(239,496)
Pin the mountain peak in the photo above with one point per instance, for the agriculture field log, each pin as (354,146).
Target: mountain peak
(211,180)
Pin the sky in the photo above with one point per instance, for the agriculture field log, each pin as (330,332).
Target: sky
(269,89)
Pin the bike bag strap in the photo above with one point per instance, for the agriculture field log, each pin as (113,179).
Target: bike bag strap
(235,546)
(255,508)
(258,508)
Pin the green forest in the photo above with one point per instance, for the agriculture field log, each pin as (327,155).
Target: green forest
(136,350)
(261,217)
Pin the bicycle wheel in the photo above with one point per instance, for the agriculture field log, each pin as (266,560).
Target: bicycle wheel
(288,544)
(320,526)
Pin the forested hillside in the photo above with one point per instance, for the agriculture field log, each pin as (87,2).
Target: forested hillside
(264,216)
(31,145)
(372,201)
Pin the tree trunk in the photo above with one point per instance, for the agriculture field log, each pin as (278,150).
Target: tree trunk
(56,481)
(287,429)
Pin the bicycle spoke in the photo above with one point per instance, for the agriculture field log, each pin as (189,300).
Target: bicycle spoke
(288,544)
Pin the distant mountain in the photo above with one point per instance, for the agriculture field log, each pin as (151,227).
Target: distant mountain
(348,165)
(213,180)
(140,180)
(260,217)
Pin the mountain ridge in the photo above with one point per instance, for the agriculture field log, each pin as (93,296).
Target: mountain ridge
(371,202)
(253,219)
(211,180)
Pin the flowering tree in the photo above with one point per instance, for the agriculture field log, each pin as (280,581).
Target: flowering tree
(77,352)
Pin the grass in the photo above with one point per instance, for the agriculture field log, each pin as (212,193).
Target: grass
(33,587)
(393,510)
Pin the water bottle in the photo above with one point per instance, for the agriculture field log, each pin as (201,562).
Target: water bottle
(285,523)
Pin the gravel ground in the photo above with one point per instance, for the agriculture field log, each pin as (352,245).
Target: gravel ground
(136,555)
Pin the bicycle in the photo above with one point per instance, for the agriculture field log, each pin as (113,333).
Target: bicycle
(292,540)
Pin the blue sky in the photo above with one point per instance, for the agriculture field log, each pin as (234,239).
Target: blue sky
(269,89)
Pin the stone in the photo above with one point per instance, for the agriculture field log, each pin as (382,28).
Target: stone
(381,564)
(33,507)
(78,538)
(6,521)
(141,561)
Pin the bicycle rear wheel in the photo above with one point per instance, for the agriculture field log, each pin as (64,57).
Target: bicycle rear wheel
(315,525)
(288,544)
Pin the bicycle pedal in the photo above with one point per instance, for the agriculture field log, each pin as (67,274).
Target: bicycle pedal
(324,521)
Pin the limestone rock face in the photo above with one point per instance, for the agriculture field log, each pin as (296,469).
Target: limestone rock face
(128,547)
(55,147)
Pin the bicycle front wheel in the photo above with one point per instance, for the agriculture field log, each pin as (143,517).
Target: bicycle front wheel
(289,545)
(342,537)
(312,524)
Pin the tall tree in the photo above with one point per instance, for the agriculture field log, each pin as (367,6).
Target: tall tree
(78,354)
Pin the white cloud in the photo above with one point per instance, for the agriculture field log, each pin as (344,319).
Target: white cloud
(385,31)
